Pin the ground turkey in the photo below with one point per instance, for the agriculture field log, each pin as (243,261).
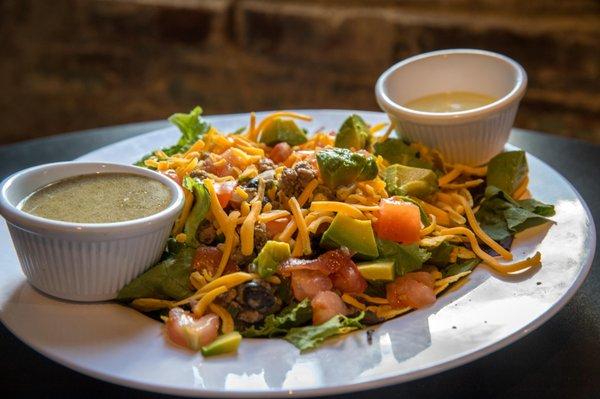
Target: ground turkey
(294,180)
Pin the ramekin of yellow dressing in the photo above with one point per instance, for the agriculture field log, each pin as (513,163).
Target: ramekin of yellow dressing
(461,102)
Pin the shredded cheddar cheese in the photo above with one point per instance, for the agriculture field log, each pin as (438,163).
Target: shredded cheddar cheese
(201,306)
(227,325)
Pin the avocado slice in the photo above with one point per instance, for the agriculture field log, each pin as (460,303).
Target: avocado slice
(356,235)
(407,180)
(380,270)
(270,256)
(226,343)
(282,130)
(354,133)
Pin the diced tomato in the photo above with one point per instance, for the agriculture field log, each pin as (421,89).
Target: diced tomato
(224,192)
(208,258)
(218,168)
(325,305)
(182,328)
(276,226)
(280,152)
(348,279)
(171,174)
(327,263)
(308,283)
(422,277)
(398,221)
(408,290)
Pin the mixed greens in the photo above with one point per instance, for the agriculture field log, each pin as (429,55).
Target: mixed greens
(308,237)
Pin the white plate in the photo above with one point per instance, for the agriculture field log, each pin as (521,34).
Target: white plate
(119,345)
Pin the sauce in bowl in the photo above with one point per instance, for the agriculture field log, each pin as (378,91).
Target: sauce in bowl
(452,101)
(98,198)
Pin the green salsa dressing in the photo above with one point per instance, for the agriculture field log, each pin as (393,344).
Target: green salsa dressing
(98,198)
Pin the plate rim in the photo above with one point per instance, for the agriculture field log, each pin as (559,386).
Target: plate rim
(421,372)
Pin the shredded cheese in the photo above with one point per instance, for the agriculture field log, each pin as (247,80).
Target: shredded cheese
(229,280)
(429,229)
(302,230)
(270,118)
(286,234)
(353,302)
(273,215)
(242,194)
(226,225)
(489,260)
(377,127)
(227,325)
(442,217)
(373,299)
(453,174)
(482,234)
(307,192)
(466,184)
(200,307)
(314,225)
(187,207)
(247,229)
(339,207)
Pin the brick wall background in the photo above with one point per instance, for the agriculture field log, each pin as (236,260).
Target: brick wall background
(75,64)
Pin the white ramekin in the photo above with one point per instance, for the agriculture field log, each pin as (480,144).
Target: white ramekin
(471,137)
(84,261)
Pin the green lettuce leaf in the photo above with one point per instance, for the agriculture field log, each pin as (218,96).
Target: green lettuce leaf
(309,337)
(500,216)
(397,151)
(460,267)
(440,255)
(170,279)
(407,257)
(199,210)
(292,316)
(507,170)
(191,126)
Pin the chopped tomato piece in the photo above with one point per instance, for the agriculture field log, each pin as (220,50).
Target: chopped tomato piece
(422,277)
(398,221)
(308,283)
(327,263)
(276,226)
(224,192)
(218,168)
(280,152)
(187,331)
(348,279)
(208,258)
(171,174)
(408,290)
(325,305)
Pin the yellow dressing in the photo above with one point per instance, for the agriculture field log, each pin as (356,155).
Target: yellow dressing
(452,101)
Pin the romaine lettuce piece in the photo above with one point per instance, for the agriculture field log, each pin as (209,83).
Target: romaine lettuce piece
(309,337)
(199,210)
(507,170)
(191,126)
(500,216)
(170,279)
(277,325)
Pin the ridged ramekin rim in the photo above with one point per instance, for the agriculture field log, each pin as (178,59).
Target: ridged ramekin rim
(396,110)
(45,226)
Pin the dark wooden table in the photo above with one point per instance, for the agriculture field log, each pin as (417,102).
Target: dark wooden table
(560,359)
